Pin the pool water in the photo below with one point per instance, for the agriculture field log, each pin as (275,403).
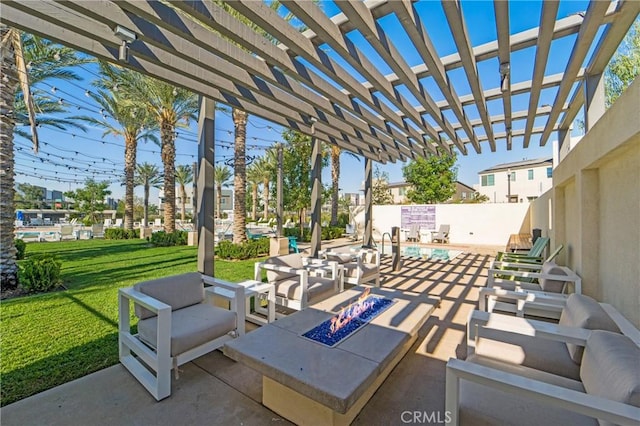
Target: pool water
(430,253)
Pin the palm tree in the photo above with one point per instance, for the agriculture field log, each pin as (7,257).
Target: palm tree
(26,60)
(254,180)
(148,175)
(265,168)
(335,178)
(129,119)
(171,107)
(221,176)
(184,175)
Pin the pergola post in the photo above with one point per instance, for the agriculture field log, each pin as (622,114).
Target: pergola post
(368,203)
(205,186)
(316,195)
(564,143)
(279,201)
(594,100)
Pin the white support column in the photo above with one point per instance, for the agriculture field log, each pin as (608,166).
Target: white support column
(316,195)
(368,203)
(594,100)
(205,186)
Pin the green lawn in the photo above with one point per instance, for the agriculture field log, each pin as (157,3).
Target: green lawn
(50,339)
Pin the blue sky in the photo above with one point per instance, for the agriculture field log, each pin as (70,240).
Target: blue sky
(104,155)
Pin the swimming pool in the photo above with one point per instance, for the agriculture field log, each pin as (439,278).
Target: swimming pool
(430,253)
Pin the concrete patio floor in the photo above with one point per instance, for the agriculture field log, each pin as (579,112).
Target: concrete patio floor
(216,390)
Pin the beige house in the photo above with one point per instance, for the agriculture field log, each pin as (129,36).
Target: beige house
(516,182)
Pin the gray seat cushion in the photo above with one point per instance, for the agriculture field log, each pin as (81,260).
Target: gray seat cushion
(190,327)
(339,257)
(317,288)
(482,405)
(554,286)
(293,260)
(583,312)
(177,291)
(351,269)
(542,354)
(611,368)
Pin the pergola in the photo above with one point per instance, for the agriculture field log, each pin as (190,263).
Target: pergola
(345,80)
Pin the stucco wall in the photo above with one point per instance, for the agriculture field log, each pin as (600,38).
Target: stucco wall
(596,207)
(481,224)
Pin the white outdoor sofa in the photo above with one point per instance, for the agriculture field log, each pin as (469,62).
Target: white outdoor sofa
(526,372)
(176,325)
(300,281)
(532,289)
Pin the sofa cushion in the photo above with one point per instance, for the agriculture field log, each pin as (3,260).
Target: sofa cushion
(351,269)
(317,288)
(553,286)
(293,260)
(583,312)
(178,291)
(190,327)
(483,405)
(611,368)
(339,257)
(542,354)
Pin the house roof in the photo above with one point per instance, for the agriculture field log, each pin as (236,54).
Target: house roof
(518,165)
(401,184)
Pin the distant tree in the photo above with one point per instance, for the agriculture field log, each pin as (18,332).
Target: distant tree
(184,176)
(254,179)
(381,194)
(90,199)
(147,176)
(433,179)
(32,197)
(624,67)
(296,185)
(335,178)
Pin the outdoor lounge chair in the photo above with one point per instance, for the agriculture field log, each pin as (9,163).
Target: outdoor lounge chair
(362,268)
(67,231)
(441,235)
(522,264)
(414,233)
(295,286)
(97,230)
(482,391)
(175,326)
(521,341)
(534,253)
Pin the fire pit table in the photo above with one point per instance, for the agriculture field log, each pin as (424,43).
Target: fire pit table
(328,382)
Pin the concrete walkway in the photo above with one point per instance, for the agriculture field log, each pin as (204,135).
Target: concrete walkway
(216,390)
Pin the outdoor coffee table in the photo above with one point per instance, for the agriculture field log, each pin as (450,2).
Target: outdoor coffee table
(257,289)
(310,383)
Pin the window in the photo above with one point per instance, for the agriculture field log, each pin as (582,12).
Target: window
(402,191)
(549,172)
(488,180)
(512,176)
(530,174)
(464,195)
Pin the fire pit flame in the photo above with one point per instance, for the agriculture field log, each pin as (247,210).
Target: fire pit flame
(350,312)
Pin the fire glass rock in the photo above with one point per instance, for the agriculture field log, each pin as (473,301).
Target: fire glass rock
(322,333)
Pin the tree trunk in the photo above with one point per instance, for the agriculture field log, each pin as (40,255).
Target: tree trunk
(254,204)
(129,171)
(183,195)
(168,160)
(146,204)
(335,179)
(240,177)
(219,201)
(8,266)
(265,197)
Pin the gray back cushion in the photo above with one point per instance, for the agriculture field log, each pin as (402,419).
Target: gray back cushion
(611,368)
(178,291)
(554,286)
(339,257)
(583,312)
(293,260)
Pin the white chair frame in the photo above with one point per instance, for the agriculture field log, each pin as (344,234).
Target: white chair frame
(155,373)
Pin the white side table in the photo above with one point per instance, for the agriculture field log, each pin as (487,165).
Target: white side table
(253,288)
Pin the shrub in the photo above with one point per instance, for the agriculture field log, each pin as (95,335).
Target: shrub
(249,250)
(332,232)
(343,219)
(21,247)
(163,239)
(121,234)
(295,232)
(328,233)
(40,273)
